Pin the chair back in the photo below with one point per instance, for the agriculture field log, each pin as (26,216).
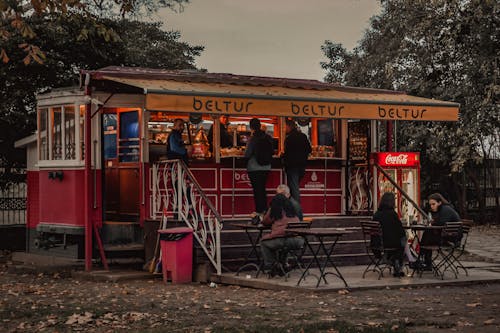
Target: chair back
(466,227)
(372,235)
(452,232)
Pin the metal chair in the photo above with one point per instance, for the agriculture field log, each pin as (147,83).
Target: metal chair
(445,258)
(374,246)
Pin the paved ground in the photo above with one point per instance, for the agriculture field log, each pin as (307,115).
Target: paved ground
(484,242)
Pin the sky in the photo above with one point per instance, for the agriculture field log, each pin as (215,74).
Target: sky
(280,38)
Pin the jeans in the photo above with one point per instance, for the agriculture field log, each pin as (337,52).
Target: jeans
(258,180)
(270,247)
(293,178)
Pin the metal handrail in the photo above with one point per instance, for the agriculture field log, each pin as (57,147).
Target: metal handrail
(197,212)
(200,190)
(414,204)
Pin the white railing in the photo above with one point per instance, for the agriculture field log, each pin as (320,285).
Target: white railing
(175,193)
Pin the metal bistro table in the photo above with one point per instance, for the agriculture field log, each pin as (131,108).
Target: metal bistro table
(253,258)
(320,234)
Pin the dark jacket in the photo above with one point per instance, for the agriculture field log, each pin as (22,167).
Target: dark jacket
(445,213)
(225,139)
(297,149)
(392,229)
(175,146)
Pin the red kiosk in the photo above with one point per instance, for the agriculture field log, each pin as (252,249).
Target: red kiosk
(96,168)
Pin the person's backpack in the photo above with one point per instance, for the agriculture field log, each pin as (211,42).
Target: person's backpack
(264,150)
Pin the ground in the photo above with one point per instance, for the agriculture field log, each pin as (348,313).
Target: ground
(51,303)
(54,304)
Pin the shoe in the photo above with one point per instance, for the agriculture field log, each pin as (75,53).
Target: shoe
(255,220)
(414,265)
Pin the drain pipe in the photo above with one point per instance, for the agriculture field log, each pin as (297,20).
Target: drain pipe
(88,179)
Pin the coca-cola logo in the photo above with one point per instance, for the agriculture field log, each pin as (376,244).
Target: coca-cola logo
(400,159)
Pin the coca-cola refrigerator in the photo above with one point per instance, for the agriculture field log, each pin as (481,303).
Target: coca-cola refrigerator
(404,169)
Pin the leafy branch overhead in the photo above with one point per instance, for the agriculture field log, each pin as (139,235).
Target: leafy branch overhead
(15,20)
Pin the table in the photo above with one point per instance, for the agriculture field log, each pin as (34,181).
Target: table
(253,258)
(320,234)
(415,228)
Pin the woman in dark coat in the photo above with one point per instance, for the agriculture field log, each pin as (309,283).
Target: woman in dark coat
(442,212)
(393,234)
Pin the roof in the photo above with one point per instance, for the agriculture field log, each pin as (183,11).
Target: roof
(175,90)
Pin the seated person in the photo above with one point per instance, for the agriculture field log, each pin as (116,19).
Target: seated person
(285,190)
(442,212)
(278,216)
(393,234)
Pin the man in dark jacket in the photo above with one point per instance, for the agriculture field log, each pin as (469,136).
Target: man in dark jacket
(297,150)
(176,149)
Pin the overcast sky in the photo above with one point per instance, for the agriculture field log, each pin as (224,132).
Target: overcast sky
(280,38)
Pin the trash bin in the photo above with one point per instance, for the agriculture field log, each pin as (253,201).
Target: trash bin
(177,254)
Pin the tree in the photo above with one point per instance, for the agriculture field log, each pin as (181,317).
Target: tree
(140,44)
(446,50)
(14,21)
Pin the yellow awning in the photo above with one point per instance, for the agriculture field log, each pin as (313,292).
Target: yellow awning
(337,102)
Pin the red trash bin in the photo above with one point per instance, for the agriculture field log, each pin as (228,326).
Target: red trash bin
(177,254)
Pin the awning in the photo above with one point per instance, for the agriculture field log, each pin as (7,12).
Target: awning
(333,102)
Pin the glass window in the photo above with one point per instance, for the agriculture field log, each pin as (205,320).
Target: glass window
(42,136)
(129,137)
(69,133)
(56,133)
(109,124)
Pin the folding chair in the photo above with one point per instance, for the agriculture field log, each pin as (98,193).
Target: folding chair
(374,245)
(445,258)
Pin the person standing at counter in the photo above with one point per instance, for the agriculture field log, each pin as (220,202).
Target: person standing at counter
(297,150)
(176,149)
(259,152)
(225,139)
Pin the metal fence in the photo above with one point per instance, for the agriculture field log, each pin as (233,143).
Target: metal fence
(13,203)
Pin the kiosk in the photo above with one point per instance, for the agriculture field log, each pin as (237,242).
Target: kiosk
(98,148)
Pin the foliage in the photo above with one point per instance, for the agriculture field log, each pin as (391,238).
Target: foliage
(446,50)
(15,19)
(66,54)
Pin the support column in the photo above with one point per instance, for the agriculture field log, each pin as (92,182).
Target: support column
(389,136)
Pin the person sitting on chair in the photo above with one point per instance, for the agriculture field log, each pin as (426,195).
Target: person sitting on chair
(442,212)
(393,234)
(285,190)
(278,216)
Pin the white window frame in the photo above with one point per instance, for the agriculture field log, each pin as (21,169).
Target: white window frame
(63,162)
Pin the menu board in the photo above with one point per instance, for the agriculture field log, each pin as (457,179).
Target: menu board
(358,140)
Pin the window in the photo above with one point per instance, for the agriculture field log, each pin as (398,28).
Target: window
(58,132)
(43,120)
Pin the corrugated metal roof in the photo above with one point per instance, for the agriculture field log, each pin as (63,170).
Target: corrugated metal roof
(194,76)
(222,89)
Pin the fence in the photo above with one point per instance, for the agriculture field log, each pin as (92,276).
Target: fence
(13,204)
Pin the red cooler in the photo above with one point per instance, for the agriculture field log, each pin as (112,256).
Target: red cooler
(177,254)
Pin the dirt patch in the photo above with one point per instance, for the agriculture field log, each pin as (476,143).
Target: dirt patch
(54,304)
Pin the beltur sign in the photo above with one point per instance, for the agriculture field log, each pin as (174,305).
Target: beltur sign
(303,107)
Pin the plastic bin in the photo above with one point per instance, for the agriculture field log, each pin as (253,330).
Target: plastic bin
(177,254)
